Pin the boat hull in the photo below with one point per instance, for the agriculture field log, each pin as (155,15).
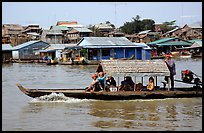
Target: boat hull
(119,95)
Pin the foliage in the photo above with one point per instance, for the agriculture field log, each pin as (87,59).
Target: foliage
(84,53)
(167,26)
(137,25)
(96,31)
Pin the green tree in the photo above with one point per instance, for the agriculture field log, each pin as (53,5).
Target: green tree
(167,26)
(136,25)
(148,24)
(96,31)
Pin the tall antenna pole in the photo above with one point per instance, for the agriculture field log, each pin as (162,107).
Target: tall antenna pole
(115,5)
(182,14)
(115,15)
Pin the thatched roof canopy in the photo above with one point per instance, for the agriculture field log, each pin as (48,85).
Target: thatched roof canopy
(134,68)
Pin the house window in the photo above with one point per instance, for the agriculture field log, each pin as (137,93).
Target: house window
(105,52)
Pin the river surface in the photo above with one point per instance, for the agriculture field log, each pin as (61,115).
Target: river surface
(56,112)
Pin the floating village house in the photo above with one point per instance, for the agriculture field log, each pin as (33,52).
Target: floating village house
(55,51)
(28,50)
(52,36)
(32,31)
(74,35)
(6,52)
(104,28)
(195,48)
(12,34)
(106,48)
(187,32)
(168,45)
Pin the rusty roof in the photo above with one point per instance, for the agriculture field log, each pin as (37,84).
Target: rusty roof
(134,67)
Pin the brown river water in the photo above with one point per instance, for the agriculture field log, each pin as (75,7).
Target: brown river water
(56,112)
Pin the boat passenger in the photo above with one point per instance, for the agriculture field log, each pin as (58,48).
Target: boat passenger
(150,86)
(127,84)
(101,79)
(49,60)
(172,68)
(45,58)
(139,87)
(95,84)
(110,82)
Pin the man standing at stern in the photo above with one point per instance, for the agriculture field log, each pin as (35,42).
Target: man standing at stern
(172,68)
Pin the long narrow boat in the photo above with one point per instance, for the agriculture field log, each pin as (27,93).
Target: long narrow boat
(125,67)
(118,95)
(23,61)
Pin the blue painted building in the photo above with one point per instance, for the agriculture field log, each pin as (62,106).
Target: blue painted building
(28,50)
(105,48)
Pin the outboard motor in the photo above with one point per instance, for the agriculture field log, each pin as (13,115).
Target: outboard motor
(187,76)
(197,81)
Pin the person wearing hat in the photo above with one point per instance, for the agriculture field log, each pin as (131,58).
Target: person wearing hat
(172,68)
(95,84)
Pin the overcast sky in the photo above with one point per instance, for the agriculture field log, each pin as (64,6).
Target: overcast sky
(48,13)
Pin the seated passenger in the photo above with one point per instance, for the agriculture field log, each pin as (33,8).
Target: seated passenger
(95,84)
(110,83)
(150,85)
(127,84)
(101,79)
(139,87)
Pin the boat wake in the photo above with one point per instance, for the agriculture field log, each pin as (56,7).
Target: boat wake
(57,97)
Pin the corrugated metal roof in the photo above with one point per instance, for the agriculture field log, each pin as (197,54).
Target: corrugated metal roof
(33,33)
(197,42)
(59,46)
(6,47)
(52,32)
(170,42)
(161,41)
(142,45)
(135,67)
(178,43)
(144,32)
(25,44)
(118,46)
(54,27)
(105,41)
(82,29)
(172,31)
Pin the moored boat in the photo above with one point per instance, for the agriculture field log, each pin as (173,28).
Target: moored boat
(51,62)
(23,61)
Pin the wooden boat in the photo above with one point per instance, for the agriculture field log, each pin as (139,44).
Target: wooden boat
(118,95)
(51,62)
(23,61)
(195,55)
(66,63)
(125,67)
(158,57)
(76,62)
(6,61)
(185,55)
